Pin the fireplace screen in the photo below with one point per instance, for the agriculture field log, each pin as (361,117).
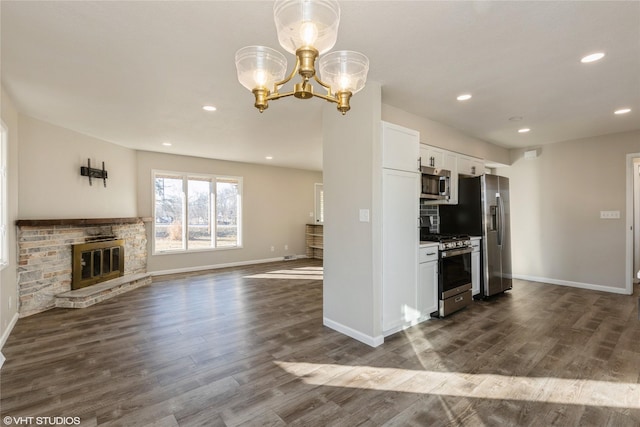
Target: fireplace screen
(96,262)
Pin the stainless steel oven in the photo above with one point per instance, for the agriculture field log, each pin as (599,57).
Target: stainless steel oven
(454,272)
(454,279)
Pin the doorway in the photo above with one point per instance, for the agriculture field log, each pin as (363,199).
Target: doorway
(319,203)
(636,219)
(633,221)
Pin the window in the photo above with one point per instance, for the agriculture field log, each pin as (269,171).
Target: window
(196,212)
(4,245)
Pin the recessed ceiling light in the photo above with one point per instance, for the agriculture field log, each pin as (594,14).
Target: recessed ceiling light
(269,157)
(524,130)
(515,118)
(166,144)
(209,108)
(593,57)
(622,111)
(464,97)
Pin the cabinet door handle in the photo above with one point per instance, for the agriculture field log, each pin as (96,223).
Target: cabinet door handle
(419,162)
(431,253)
(459,299)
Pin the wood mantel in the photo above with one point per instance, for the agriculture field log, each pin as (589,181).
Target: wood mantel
(78,221)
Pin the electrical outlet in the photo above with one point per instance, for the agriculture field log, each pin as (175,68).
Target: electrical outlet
(10,302)
(364,215)
(609,214)
(286,247)
(273,248)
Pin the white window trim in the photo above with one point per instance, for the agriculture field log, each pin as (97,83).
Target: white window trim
(185,177)
(4,212)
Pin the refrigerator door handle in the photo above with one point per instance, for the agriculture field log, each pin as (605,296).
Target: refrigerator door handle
(499,218)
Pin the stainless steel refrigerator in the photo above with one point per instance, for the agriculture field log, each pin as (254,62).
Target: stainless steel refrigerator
(483,210)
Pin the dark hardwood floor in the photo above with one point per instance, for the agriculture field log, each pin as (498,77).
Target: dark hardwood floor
(246,347)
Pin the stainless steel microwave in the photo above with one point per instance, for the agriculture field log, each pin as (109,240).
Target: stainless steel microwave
(436,183)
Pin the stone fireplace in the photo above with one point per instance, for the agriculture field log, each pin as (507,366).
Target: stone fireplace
(46,268)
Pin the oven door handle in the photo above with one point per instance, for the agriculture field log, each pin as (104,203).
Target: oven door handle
(453,252)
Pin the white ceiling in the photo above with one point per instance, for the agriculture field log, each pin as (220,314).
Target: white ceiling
(136,73)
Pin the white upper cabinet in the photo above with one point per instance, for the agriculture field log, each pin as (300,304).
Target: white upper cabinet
(431,156)
(457,164)
(470,166)
(400,148)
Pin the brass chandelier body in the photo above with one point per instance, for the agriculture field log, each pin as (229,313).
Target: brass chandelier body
(302,25)
(305,66)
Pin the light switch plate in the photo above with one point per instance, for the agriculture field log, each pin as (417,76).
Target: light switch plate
(364,215)
(609,214)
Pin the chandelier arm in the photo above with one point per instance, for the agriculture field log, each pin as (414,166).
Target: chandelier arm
(287,79)
(329,97)
(323,84)
(278,95)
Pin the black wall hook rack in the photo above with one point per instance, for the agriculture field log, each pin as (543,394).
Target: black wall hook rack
(90,172)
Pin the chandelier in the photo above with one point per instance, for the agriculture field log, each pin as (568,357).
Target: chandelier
(308,29)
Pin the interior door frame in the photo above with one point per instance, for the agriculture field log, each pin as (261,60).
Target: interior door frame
(629,231)
(318,203)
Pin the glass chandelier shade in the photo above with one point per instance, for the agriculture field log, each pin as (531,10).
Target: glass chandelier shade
(344,70)
(307,23)
(260,67)
(306,28)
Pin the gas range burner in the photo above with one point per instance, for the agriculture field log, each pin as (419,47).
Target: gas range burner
(449,241)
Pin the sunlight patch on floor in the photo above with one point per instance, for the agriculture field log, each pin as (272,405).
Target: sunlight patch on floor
(479,386)
(304,273)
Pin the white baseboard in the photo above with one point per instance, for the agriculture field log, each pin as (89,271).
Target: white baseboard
(5,335)
(7,332)
(350,332)
(580,285)
(218,266)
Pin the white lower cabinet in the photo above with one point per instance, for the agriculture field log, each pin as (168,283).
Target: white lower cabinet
(428,281)
(475,266)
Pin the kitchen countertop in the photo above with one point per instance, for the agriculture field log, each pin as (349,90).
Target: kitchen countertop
(426,244)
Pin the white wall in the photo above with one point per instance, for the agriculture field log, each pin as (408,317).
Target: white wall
(50,185)
(439,135)
(352,273)
(556,199)
(276,206)
(8,276)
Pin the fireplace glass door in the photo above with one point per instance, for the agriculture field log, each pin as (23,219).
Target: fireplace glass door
(96,262)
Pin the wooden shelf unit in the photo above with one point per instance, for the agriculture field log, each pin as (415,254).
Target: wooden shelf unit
(314,235)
